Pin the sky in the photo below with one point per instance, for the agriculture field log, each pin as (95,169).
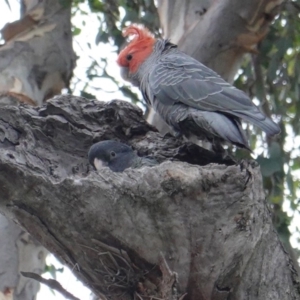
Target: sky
(84,45)
(105,90)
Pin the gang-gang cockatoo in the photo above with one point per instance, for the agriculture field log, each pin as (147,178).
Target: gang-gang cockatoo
(191,98)
(117,156)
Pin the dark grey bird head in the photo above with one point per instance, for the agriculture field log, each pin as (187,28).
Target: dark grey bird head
(115,155)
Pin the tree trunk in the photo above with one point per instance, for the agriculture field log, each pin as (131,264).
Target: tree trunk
(18,252)
(171,230)
(37,57)
(36,63)
(216,33)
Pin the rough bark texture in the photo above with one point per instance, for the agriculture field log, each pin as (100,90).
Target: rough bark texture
(216,33)
(164,231)
(36,62)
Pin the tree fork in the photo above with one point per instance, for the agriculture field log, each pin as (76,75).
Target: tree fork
(174,231)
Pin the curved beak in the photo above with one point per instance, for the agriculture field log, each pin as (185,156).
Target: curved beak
(98,164)
(125,73)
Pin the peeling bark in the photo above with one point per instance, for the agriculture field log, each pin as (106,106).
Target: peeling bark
(164,231)
(37,59)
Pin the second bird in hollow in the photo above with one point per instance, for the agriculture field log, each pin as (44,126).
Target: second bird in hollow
(191,98)
(117,156)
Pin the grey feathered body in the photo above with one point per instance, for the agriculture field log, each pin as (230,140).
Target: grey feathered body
(194,100)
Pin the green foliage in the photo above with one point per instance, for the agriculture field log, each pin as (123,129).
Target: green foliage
(278,68)
(272,164)
(131,95)
(273,76)
(66,3)
(111,21)
(52,270)
(113,17)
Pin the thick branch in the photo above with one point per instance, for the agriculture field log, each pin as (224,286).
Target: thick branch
(218,33)
(210,223)
(37,58)
(51,283)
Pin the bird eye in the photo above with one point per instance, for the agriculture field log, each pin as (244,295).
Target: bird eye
(112,154)
(129,57)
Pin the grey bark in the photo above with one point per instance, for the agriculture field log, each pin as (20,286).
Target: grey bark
(37,59)
(36,62)
(216,33)
(167,231)
(18,251)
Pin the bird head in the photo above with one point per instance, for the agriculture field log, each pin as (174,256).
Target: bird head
(137,51)
(115,155)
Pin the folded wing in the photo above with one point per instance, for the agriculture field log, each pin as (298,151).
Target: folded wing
(178,78)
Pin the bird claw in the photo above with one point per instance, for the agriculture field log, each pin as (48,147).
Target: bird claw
(166,136)
(225,154)
(247,165)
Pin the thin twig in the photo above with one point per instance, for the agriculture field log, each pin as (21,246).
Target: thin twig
(112,249)
(260,86)
(182,296)
(138,295)
(168,287)
(51,283)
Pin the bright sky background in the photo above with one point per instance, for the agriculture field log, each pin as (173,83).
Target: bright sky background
(107,92)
